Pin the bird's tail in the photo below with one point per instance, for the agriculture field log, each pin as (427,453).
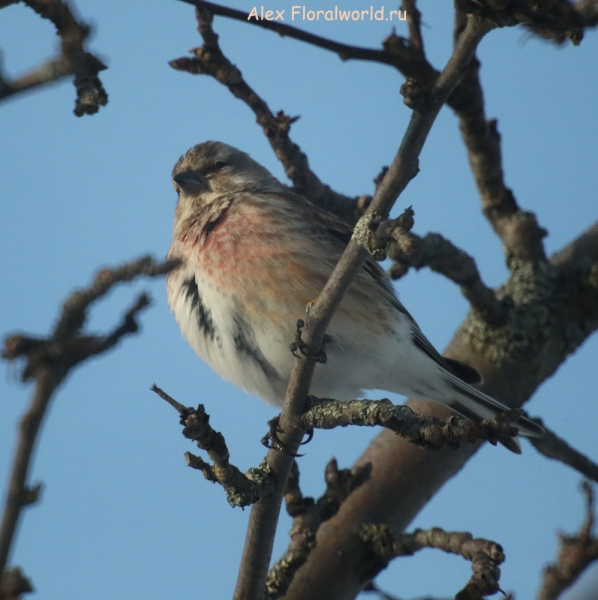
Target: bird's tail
(477,406)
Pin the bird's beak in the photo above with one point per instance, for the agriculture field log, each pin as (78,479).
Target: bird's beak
(190,183)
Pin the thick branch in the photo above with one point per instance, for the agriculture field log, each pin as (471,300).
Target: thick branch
(49,361)
(264,515)
(241,490)
(74,60)
(576,554)
(552,318)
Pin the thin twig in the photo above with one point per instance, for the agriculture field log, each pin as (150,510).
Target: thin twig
(397,51)
(210,60)
(264,514)
(414,24)
(241,490)
(552,446)
(576,553)
(518,229)
(49,360)
(73,60)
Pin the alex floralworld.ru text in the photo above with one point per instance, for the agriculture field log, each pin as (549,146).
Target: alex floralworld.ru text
(303,13)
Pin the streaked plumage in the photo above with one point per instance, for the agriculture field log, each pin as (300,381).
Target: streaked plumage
(254,255)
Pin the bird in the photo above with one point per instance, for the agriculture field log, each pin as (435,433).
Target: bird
(253,254)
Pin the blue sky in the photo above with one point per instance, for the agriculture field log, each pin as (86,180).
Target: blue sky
(120,510)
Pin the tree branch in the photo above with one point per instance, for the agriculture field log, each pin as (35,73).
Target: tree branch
(241,490)
(556,448)
(485,556)
(518,230)
(307,518)
(441,256)
(554,312)
(49,360)
(264,514)
(73,60)
(13,584)
(209,60)
(397,52)
(423,431)
(575,555)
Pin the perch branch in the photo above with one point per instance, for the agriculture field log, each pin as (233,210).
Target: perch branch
(426,432)
(264,514)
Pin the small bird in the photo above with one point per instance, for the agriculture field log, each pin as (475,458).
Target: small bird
(254,255)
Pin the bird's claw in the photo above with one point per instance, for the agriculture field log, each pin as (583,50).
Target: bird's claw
(310,436)
(272,441)
(298,346)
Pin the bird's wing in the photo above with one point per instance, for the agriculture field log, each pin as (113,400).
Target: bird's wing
(337,235)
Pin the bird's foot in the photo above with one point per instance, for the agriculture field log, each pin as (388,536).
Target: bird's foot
(271,439)
(299,346)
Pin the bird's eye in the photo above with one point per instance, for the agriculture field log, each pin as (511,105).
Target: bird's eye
(219,164)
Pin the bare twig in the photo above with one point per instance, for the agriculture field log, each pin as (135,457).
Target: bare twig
(264,514)
(48,362)
(442,256)
(73,60)
(518,230)
(306,521)
(577,552)
(552,446)
(414,23)
(209,60)
(13,584)
(241,490)
(397,52)
(485,556)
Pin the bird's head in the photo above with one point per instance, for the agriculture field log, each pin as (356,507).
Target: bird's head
(211,169)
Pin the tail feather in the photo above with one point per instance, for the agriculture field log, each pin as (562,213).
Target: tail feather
(474,404)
